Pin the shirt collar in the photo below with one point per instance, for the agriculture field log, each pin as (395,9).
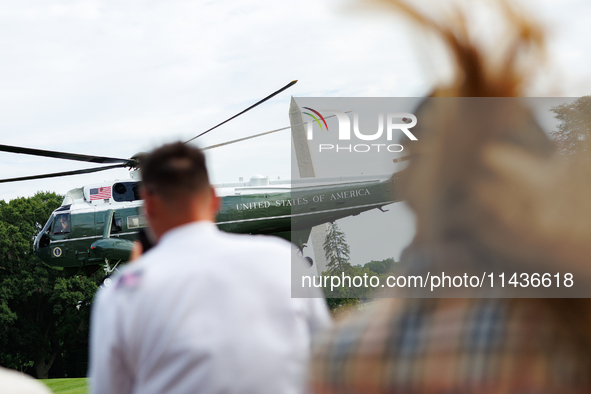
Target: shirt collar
(201,226)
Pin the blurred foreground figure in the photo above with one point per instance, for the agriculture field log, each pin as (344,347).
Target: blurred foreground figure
(13,382)
(467,345)
(541,205)
(203,311)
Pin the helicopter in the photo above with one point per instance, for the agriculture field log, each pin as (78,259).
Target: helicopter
(97,224)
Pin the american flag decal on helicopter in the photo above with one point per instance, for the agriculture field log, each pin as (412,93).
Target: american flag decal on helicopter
(100,193)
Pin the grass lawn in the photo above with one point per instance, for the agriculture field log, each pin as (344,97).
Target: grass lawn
(67,386)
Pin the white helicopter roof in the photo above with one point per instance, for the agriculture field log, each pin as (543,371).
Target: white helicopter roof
(102,193)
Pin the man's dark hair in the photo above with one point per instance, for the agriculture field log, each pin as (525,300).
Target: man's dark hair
(174,170)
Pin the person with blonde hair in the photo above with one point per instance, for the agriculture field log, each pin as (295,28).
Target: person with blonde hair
(470,344)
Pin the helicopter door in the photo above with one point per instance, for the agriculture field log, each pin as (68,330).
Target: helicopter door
(101,219)
(104,218)
(116,224)
(81,235)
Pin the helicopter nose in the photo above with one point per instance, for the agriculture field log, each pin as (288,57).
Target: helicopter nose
(41,250)
(40,245)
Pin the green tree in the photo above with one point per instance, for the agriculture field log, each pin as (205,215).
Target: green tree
(382,266)
(574,130)
(336,249)
(337,254)
(346,296)
(43,312)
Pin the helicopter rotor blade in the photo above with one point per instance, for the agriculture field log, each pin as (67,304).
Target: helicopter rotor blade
(64,155)
(261,134)
(247,109)
(102,159)
(65,173)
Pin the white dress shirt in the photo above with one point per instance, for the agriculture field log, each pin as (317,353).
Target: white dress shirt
(204,312)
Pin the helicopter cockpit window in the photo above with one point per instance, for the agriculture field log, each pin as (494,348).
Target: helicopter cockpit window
(61,225)
(126,191)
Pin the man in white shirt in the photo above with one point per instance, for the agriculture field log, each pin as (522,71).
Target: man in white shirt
(203,311)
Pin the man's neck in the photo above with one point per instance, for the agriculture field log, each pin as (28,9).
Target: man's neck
(172,223)
(181,224)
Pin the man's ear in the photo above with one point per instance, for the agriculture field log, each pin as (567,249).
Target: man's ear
(148,203)
(215,201)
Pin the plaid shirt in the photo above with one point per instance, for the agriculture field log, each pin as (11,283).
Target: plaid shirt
(455,346)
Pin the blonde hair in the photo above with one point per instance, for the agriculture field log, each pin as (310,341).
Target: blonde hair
(502,72)
(449,151)
(454,129)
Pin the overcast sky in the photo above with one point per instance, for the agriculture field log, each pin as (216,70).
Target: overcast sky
(116,78)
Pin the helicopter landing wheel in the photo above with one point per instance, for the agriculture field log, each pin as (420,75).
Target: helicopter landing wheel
(110,269)
(107,281)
